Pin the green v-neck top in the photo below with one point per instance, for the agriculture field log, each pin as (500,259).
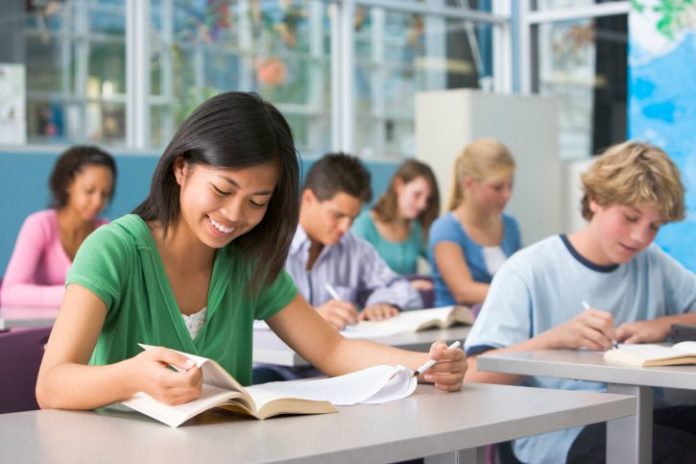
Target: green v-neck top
(121,265)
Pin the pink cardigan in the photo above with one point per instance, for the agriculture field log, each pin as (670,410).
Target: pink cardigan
(35,275)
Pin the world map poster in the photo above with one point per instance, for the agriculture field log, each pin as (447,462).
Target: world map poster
(662,101)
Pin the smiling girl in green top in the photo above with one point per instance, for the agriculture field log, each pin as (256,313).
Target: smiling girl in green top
(196,263)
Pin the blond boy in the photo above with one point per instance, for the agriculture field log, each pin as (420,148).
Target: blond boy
(635,291)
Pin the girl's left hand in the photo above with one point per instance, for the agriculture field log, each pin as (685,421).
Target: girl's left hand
(448,373)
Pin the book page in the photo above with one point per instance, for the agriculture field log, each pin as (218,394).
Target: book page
(638,354)
(174,416)
(213,373)
(375,329)
(400,385)
(643,350)
(688,347)
(406,321)
(423,317)
(357,387)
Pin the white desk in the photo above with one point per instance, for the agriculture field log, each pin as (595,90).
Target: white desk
(628,440)
(429,423)
(270,349)
(27,317)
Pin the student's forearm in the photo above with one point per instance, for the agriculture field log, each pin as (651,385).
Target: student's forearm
(652,330)
(351,355)
(473,374)
(665,323)
(688,318)
(470,292)
(78,386)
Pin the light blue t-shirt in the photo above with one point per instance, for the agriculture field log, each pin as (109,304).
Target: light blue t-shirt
(544,286)
(402,257)
(448,229)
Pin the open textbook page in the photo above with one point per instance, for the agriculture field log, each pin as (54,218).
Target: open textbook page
(372,385)
(377,384)
(650,355)
(411,321)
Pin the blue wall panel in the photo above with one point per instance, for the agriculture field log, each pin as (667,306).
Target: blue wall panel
(24,188)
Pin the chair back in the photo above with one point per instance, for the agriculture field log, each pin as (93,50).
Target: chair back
(427,296)
(21,351)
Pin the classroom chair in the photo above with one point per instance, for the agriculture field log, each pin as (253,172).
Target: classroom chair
(427,296)
(21,351)
(504,453)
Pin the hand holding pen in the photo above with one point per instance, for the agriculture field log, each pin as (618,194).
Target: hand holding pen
(614,343)
(337,312)
(332,291)
(446,368)
(591,329)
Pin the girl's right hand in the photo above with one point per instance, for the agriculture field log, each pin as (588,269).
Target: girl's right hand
(152,375)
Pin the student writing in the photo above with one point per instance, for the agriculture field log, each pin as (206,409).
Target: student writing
(82,184)
(210,240)
(638,291)
(469,244)
(325,251)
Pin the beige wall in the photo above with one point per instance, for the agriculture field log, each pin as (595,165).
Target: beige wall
(448,120)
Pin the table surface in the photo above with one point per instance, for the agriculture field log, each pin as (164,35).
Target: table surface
(429,422)
(270,349)
(587,365)
(27,317)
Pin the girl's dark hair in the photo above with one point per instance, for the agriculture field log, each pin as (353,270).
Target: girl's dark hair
(236,130)
(387,205)
(70,163)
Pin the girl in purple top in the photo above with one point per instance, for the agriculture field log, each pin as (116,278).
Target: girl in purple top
(81,184)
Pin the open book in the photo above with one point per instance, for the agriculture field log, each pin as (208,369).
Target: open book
(373,385)
(411,321)
(646,355)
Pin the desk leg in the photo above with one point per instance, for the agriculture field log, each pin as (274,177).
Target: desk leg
(629,439)
(472,455)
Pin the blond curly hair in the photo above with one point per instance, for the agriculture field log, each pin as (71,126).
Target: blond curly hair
(634,173)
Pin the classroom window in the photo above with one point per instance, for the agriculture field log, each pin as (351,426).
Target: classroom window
(126,73)
(75,57)
(398,54)
(578,53)
(279,49)
(583,63)
(561,4)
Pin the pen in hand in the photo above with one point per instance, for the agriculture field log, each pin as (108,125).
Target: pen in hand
(332,291)
(614,344)
(342,314)
(430,363)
